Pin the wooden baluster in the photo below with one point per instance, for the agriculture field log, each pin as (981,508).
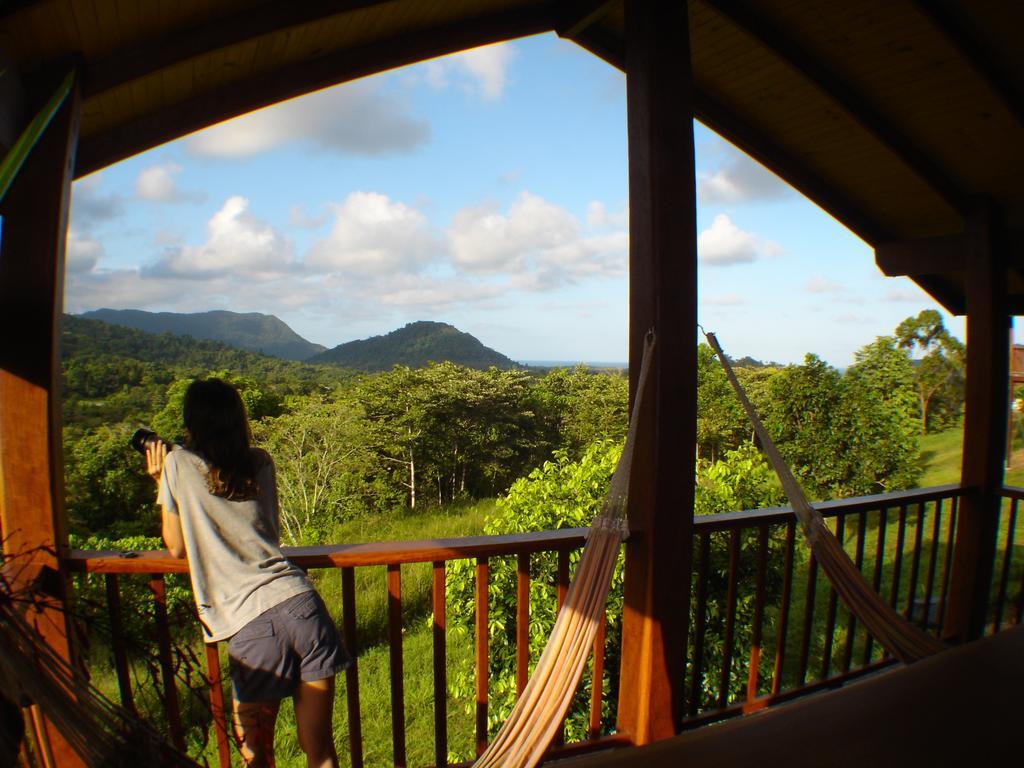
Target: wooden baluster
(439,607)
(782,631)
(522,622)
(915,563)
(833,606)
(348,609)
(809,598)
(897,563)
(933,562)
(730,618)
(851,627)
(883,518)
(163,636)
(397,673)
(947,572)
(217,712)
(1004,577)
(117,636)
(757,630)
(697,682)
(482,671)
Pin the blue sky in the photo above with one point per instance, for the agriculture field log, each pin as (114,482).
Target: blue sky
(486,189)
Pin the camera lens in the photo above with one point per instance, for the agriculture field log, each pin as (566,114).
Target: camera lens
(141,438)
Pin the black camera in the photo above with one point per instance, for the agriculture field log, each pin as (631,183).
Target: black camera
(143,437)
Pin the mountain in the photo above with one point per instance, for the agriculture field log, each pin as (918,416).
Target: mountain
(251,331)
(415,345)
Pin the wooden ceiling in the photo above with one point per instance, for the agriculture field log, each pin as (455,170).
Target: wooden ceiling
(899,118)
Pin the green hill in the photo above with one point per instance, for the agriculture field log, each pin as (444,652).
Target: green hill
(415,345)
(250,331)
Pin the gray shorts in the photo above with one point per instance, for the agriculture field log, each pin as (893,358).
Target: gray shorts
(291,642)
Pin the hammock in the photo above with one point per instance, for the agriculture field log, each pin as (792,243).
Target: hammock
(894,632)
(101,732)
(539,713)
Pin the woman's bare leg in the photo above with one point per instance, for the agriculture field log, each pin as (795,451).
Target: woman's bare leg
(314,717)
(254,729)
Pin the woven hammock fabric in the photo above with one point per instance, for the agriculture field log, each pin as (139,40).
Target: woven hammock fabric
(894,632)
(524,737)
(102,733)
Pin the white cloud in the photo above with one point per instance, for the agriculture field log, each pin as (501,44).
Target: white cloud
(81,253)
(237,242)
(599,217)
(89,205)
(742,179)
(537,243)
(907,296)
(157,184)
(819,284)
(298,218)
(724,244)
(373,235)
(482,71)
(724,300)
(354,118)
(488,65)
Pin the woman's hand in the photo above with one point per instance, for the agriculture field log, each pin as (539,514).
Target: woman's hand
(156,451)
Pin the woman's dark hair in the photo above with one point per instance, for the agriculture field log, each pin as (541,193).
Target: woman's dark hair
(218,430)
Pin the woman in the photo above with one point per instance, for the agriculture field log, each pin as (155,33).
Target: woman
(218,497)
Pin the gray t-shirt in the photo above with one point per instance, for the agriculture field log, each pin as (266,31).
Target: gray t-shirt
(234,557)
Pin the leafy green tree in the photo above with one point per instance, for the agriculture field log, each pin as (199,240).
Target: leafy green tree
(582,406)
(560,494)
(107,490)
(721,422)
(328,470)
(939,372)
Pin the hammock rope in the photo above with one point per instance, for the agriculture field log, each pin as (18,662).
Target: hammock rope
(103,733)
(524,737)
(904,640)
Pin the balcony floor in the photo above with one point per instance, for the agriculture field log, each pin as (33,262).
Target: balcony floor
(962,707)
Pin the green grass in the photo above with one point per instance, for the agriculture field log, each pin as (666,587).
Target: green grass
(940,455)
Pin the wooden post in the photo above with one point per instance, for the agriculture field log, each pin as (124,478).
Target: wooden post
(663,296)
(988,369)
(34,229)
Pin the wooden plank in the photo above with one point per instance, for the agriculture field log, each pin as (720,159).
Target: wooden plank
(264,88)
(396,665)
(355,722)
(855,103)
(985,411)
(217,710)
(33,525)
(924,256)
(482,655)
(663,296)
(352,555)
(439,610)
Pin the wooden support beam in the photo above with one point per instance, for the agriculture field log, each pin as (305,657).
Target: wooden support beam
(856,104)
(220,31)
(927,256)
(663,296)
(32,240)
(988,368)
(303,77)
(577,17)
(746,135)
(13,114)
(955,23)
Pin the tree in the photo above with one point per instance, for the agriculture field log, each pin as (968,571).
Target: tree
(939,372)
(328,470)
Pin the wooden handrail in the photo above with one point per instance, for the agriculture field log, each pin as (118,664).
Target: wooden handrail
(752,518)
(347,555)
(1013,492)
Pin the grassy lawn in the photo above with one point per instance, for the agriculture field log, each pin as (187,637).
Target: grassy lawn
(941,452)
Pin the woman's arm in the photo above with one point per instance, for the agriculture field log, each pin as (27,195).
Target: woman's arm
(170,526)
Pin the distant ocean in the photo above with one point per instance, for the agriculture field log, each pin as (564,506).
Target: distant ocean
(573,363)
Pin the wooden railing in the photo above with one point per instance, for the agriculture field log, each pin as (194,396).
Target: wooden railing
(764,626)
(154,565)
